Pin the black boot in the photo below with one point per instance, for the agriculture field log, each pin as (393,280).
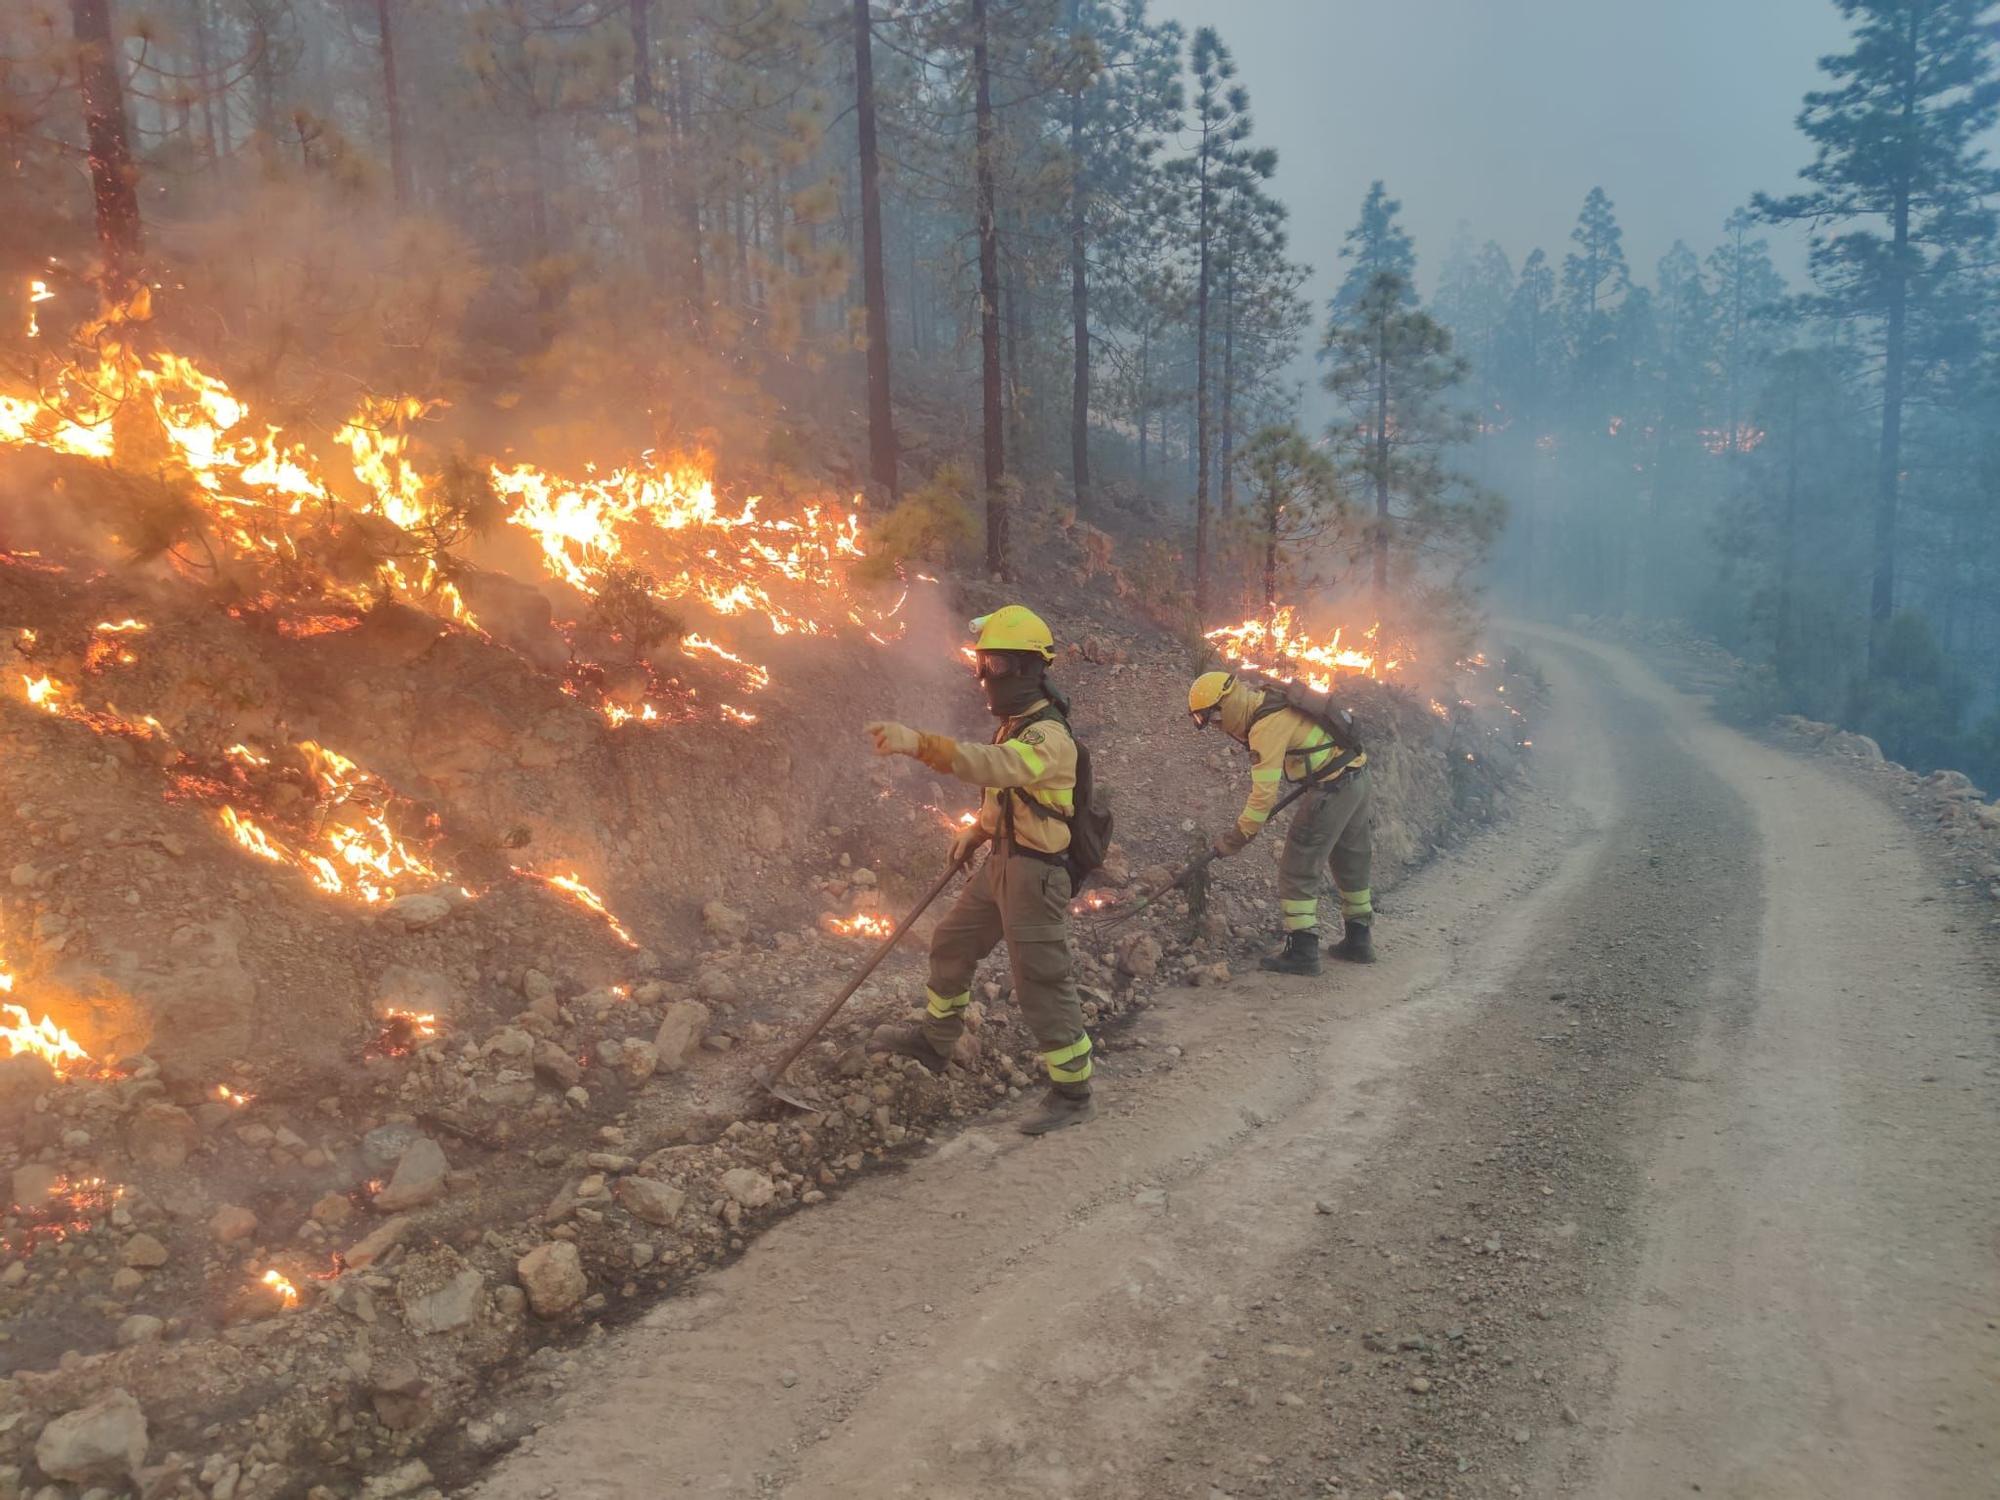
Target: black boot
(1357,944)
(1300,955)
(1060,1108)
(910,1041)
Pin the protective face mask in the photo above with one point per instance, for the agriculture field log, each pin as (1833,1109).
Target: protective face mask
(1011,695)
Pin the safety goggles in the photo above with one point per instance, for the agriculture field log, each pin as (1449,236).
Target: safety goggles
(988,665)
(1203,717)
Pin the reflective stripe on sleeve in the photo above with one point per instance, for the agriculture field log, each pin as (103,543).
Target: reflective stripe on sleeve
(1268,774)
(1256,814)
(1036,761)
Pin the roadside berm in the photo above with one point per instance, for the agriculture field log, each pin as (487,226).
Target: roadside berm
(390,986)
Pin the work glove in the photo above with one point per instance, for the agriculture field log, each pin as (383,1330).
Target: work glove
(893,739)
(965,841)
(1223,846)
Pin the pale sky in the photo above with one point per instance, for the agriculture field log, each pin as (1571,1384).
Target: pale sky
(1505,113)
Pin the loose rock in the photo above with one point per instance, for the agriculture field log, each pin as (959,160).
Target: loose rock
(552,1276)
(104,1440)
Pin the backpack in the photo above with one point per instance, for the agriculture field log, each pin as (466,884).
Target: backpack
(1302,698)
(1089,821)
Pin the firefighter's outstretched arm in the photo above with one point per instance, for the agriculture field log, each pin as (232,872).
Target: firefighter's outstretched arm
(1011,763)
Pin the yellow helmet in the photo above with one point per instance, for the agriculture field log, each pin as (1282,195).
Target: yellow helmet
(1015,628)
(1208,691)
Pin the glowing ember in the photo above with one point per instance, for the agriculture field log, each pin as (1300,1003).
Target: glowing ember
(72,1207)
(277,1282)
(44,692)
(38,293)
(1439,709)
(573,888)
(866,924)
(227,1095)
(106,647)
(952,821)
(59,699)
(402,1032)
(1277,647)
(1094,901)
(737,715)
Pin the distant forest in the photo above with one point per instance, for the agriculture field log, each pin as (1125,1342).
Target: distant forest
(1007,264)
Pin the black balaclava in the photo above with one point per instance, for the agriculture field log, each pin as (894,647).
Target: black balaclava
(1012,695)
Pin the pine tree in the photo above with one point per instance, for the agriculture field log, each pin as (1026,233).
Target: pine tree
(1296,490)
(1594,277)
(1392,367)
(1747,291)
(1375,246)
(1897,194)
(1125,94)
(1221,161)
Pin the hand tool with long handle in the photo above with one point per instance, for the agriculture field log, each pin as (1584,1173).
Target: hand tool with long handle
(768,1078)
(1206,857)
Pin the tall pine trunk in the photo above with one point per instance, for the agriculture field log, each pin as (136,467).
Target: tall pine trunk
(202,66)
(1201,455)
(1272,510)
(1888,481)
(1381,464)
(113,178)
(688,186)
(881,420)
(1079,293)
(1782,646)
(989,298)
(1229,391)
(399,157)
(646,144)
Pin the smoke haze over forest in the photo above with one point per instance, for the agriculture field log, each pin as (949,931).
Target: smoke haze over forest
(1500,115)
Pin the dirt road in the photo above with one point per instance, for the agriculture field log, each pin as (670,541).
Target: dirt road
(1658,1156)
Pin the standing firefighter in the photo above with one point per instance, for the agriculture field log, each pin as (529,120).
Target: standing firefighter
(1029,774)
(1293,739)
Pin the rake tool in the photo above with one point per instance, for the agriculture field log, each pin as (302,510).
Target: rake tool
(768,1079)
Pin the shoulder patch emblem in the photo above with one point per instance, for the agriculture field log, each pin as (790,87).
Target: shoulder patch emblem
(1031,736)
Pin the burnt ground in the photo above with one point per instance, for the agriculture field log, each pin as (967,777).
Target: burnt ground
(582,1092)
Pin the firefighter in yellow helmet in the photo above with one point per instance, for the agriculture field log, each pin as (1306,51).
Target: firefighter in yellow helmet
(1021,891)
(1331,823)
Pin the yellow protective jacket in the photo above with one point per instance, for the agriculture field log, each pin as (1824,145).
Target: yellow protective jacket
(1038,758)
(1284,746)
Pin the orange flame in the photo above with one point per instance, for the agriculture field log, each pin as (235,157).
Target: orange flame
(353,851)
(1277,647)
(227,1095)
(269,501)
(279,1283)
(867,924)
(570,886)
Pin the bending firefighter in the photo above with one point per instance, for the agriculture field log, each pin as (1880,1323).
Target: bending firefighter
(1022,890)
(1331,823)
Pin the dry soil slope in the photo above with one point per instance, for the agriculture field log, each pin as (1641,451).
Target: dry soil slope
(1658,1153)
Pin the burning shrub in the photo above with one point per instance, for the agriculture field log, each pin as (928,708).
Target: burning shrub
(628,610)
